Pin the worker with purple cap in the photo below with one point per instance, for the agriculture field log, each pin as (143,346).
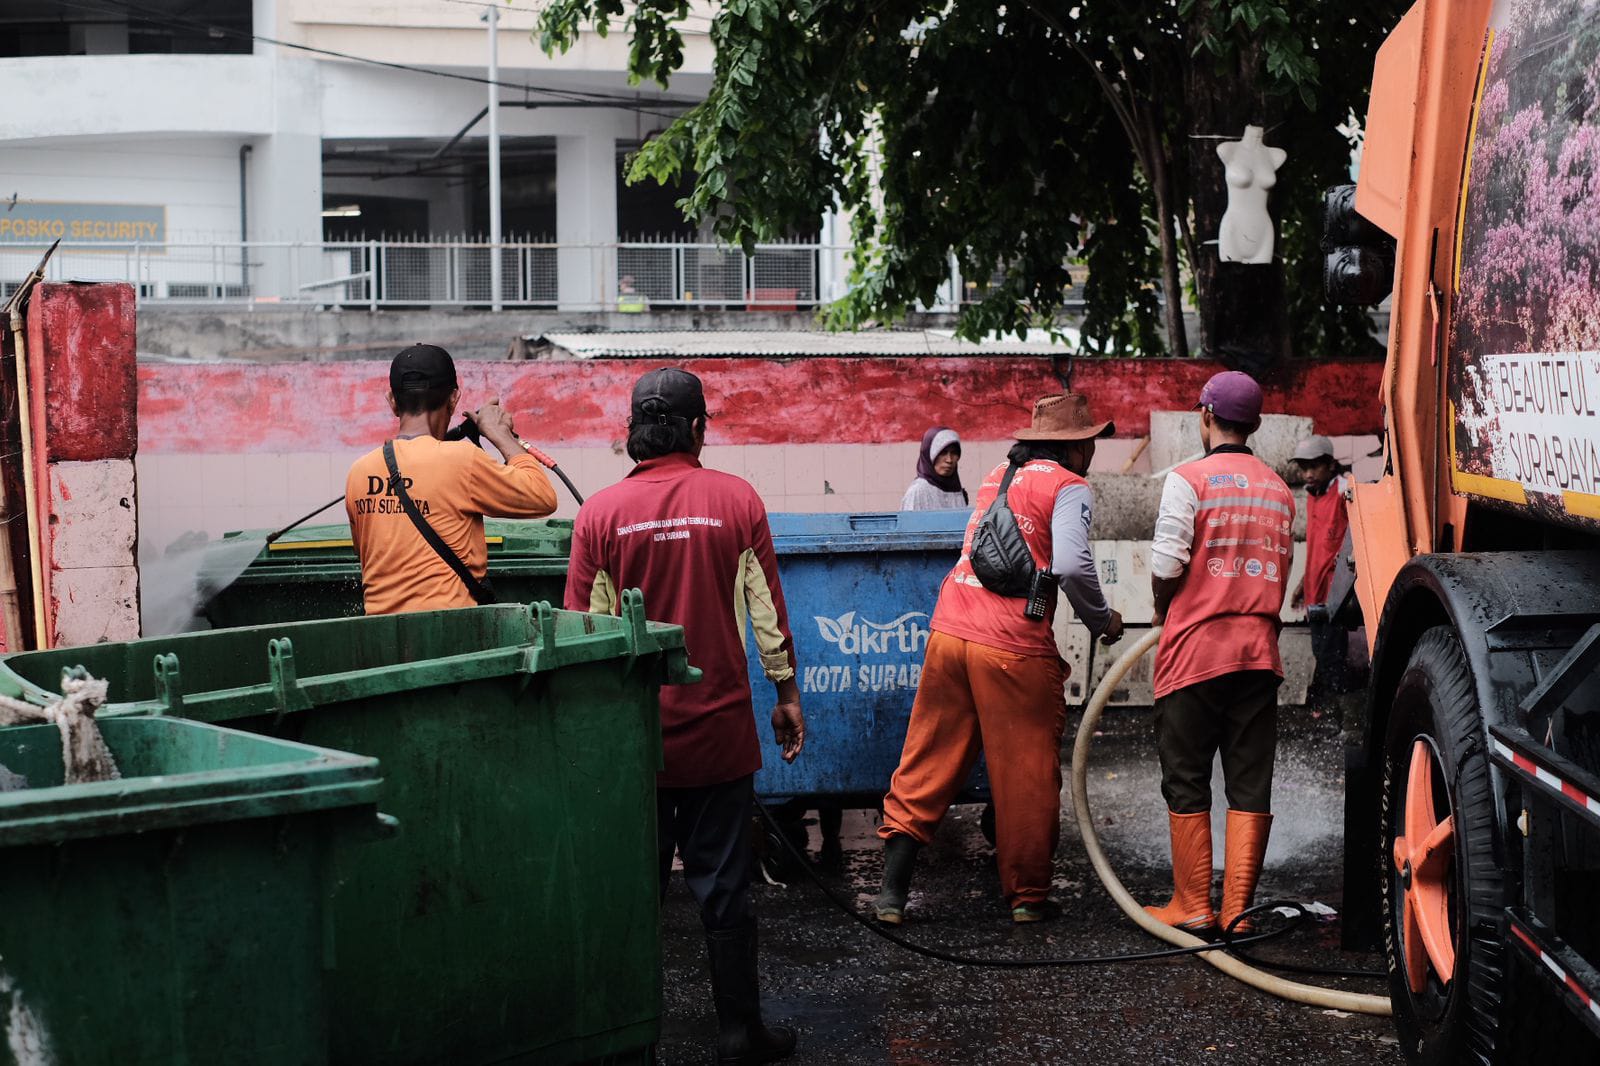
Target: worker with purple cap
(1219,566)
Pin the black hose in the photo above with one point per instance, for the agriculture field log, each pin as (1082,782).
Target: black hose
(271,537)
(1230,941)
(467,429)
(1008,964)
(567,481)
(1234,941)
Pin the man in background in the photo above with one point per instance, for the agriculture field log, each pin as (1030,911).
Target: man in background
(695,542)
(454,485)
(1327,522)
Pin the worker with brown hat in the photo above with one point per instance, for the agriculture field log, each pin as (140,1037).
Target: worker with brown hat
(992,679)
(1219,563)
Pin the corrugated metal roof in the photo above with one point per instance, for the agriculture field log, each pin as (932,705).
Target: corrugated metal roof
(713,344)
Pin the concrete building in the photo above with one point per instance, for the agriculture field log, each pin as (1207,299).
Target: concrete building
(133,124)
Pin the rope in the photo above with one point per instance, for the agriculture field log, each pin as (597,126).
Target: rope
(84,755)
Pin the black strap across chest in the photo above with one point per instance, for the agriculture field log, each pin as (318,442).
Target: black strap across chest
(480,591)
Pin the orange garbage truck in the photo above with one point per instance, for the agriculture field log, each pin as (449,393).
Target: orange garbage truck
(1473,787)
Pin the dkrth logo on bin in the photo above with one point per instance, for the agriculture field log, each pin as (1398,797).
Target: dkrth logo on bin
(903,636)
(901,642)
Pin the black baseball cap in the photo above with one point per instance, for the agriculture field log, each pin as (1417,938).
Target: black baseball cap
(422,367)
(675,392)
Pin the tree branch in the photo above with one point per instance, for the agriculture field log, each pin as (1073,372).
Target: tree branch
(1121,108)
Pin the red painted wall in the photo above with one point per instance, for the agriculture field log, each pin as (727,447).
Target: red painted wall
(82,340)
(306,407)
(82,405)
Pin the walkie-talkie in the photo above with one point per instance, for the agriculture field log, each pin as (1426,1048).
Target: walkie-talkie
(1041,591)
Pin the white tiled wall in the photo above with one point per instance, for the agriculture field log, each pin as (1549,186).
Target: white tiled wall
(216,493)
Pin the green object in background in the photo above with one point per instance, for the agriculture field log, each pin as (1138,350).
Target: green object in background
(311,572)
(176,915)
(516,917)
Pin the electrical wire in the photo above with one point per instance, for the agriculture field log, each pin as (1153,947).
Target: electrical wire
(611,100)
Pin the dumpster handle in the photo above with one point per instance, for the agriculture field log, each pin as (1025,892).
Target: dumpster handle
(639,640)
(542,619)
(287,694)
(876,522)
(169,685)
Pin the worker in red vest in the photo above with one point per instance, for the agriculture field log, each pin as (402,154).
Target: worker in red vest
(1327,521)
(993,679)
(1219,565)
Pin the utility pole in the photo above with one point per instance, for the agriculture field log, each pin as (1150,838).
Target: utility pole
(495,280)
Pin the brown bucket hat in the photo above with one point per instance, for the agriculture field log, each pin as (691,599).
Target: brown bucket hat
(1064,417)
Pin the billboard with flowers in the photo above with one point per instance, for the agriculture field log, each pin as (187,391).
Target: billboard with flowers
(1524,334)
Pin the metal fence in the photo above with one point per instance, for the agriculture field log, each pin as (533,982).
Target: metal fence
(374,274)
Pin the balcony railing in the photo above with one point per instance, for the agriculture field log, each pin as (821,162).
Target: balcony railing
(393,274)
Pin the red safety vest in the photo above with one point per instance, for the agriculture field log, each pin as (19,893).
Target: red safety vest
(968,610)
(1225,616)
(1326,521)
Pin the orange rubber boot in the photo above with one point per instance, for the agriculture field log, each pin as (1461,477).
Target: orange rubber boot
(1190,907)
(1246,846)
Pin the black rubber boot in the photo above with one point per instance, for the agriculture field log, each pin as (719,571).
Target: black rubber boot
(899,856)
(831,822)
(742,1038)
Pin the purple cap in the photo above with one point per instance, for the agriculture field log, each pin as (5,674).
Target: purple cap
(1232,395)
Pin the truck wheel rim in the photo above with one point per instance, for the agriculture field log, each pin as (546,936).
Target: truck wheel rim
(1424,861)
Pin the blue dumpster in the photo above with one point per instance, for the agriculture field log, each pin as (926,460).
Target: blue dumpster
(861,590)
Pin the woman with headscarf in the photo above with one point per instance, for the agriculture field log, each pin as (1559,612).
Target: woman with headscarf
(938,486)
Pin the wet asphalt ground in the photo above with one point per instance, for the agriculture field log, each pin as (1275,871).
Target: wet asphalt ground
(857,1000)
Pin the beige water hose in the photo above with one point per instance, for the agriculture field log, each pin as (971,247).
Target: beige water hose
(1266,982)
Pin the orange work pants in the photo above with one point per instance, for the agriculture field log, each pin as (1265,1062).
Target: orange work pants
(974,698)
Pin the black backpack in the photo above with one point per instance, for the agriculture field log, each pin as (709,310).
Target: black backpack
(1000,555)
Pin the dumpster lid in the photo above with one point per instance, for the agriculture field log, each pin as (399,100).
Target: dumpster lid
(175,773)
(289,667)
(821,534)
(509,538)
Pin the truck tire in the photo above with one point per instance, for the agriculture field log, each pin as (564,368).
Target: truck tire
(1442,905)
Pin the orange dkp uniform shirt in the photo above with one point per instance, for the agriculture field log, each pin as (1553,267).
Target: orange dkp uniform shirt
(455,485)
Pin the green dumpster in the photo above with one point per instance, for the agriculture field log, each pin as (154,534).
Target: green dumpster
(311,572)
(515,917)
(175,915)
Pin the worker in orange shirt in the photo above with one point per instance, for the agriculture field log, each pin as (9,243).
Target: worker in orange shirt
(1327,522)
(1219,564)
(417,503)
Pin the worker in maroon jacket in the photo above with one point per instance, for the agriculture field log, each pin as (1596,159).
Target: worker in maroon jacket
(696,543)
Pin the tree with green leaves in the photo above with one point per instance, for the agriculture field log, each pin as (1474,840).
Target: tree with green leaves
(1021,138)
